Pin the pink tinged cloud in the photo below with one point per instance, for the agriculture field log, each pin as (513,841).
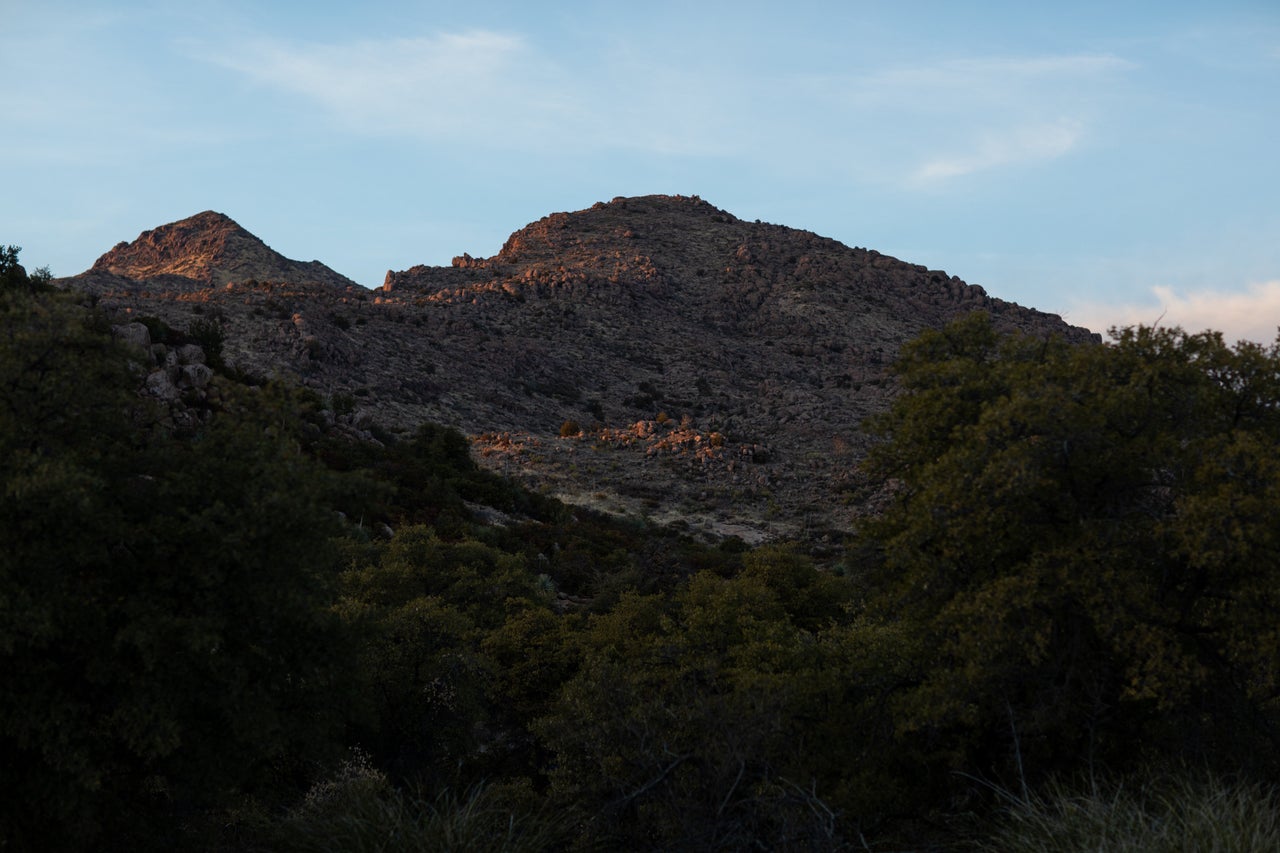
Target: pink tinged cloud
(1252,314)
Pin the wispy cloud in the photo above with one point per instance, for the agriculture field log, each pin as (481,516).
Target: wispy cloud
(1250,314)
(965,116)
(485,89)
(452,85)
(991,79)
(994,149)
(913,126)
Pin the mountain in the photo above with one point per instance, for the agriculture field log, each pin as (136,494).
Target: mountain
(206,250)
(652,355)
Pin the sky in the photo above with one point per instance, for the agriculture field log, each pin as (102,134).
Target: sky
(1116,163)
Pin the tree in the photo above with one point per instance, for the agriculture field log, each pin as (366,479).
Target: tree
(165,633)
(731,713)
(424,606)
(1085,538)
(12,274)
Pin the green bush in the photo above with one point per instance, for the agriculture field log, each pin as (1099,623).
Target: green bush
(341,403)
(359,810)
(211,337)
(165,633)
(1087,540)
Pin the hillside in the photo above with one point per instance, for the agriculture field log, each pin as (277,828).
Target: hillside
(205,250)
(650,355)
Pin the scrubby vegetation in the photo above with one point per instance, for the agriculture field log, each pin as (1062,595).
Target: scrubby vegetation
(1148,813)
(262,633)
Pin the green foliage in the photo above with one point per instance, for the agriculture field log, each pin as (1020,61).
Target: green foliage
(1157,815)
(163,625)
(734,712)
(342,404)
(427,478)
(359,810)
(1085,537)
(211,337)
(158,330)
(533,652)
(812,599)
(424,606)
(41,279)
(471,576)
(1079,567)
(13,276)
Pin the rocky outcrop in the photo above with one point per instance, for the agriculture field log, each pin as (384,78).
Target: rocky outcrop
(654,355)
(208,249)
(697,256)
(176,376)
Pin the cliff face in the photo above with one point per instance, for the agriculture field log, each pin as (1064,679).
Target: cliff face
(652,355)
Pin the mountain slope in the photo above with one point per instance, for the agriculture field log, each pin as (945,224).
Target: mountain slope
(207,249)
(653,355)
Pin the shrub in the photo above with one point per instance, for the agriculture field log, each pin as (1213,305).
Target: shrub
(158,329)
(1156,815)
(210,335)
(359,810)
(342,404)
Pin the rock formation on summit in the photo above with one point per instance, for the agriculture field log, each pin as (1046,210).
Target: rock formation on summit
(651,355)
(207,249)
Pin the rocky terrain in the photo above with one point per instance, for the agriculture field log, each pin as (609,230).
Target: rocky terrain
(651,355)
(206,250)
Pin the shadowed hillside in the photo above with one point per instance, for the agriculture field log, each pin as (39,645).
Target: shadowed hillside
(650,355)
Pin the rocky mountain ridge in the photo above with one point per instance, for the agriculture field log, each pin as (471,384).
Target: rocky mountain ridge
(205,250)
(650,355)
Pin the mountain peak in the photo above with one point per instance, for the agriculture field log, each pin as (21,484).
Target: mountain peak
(624,218)
(208,249)
(711,367)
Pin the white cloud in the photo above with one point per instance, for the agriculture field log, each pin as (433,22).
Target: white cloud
(994,149)
(966,116)
(908,126)
(490,89)
(1252,314)
(987,78)
(454,85)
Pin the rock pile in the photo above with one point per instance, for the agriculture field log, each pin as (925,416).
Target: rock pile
(176,376)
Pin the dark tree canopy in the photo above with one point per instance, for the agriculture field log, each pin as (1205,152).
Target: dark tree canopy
(14,276)
(1089,539)
(1077,569)
(163,632)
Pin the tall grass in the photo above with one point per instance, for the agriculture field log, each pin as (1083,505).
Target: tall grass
(359,811)
(1160,814)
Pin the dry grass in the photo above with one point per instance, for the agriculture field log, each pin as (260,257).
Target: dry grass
(360,812)
(1160,814)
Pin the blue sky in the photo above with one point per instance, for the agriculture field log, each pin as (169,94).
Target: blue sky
(1112,162)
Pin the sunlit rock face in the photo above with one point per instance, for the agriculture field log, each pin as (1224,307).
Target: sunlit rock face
(207,249)
(653,355)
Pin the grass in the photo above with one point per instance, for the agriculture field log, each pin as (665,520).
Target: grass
(1156,814)
(359,811)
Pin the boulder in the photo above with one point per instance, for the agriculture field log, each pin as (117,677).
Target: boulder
(135,334)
